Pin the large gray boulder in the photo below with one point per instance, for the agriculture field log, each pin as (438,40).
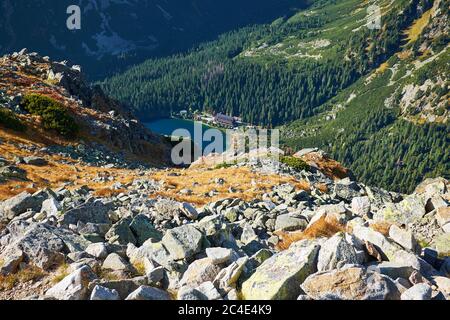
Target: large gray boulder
(19,204)
(115,262)
(97,250)
(40,246)
(123,286)
(404,238)
(200,271)
(352,283)
(387,248)
(420,291)
(148,293)
(290,222)
(227,279)
(335,253)
(393,270)
(51,207)
(89,212)
(10,260)
(143,229)
(103,294)
(189,211)
(183,242)
(361,206)
(74,286)
(206,291)
(280,277)
(43,245)
(219,255)
(121,233)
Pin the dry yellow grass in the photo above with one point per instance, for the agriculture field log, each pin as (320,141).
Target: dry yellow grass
(331,168)
(55,174)
(381,227)
(108,192)
(325,227)
(248,185)
(414,32)
(30,273)
(139,267)
(61,273)
(405,54)
(382,68)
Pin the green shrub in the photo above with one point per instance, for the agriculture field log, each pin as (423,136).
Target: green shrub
(295,163)
(54,115)
(10,120)
(225,165)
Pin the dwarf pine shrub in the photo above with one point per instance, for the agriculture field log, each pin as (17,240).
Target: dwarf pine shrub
(295,163)
(54,115)
(9,120)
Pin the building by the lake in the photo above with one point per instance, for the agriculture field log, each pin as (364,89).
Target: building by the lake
(224,120)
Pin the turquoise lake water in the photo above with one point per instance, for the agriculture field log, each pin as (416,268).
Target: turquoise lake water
(168,126)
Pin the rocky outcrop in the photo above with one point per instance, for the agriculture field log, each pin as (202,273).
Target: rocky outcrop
(280,277)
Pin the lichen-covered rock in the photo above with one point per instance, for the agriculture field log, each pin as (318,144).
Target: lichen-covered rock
(280,276)
(383,245)
(442,244)
(90,212)
(123,286)
(200,271)
(335,253)
(19,204)
(121,233)
(227,278)
(143,229)
(39,244)
(289,222)
(219,255)
(115,262)
(353,283)
(10,260)
(405,212)
(183,242)
(189,211)
(404,238)
(443,216)
(97,250)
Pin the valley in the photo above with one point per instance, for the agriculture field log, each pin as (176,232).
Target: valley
(325,80)
(354,204)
